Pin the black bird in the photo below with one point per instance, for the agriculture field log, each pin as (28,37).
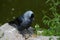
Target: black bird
(24,21)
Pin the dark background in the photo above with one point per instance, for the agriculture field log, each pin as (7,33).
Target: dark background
(15,8)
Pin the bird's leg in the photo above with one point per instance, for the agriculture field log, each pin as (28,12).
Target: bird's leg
(23,33)
(30,31)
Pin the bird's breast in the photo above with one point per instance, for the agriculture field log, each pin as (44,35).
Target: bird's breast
(26,23)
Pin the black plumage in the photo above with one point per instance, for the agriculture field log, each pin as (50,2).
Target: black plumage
(24,21)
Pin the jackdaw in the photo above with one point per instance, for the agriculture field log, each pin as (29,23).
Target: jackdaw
(24,21)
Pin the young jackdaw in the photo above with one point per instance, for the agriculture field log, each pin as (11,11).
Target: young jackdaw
(24,21)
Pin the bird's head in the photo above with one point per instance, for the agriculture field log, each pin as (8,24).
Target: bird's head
(29,15)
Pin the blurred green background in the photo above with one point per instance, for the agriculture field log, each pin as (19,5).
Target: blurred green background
(14,8)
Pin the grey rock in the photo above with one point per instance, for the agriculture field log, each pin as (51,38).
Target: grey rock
(1,33)
(10,33)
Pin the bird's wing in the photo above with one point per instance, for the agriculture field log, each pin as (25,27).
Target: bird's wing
(18,21)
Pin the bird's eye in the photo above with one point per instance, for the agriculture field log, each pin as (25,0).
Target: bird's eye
(32,15)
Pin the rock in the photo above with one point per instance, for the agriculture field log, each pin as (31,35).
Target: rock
(44,38)
(1,33)
(10,33)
